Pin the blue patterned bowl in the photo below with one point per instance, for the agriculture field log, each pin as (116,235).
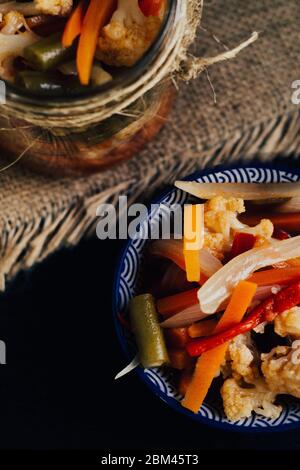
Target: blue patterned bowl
(127,284)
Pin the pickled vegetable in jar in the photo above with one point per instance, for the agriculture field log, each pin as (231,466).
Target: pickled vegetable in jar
(66,66)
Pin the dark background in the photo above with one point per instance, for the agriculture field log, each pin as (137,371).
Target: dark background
(57,388)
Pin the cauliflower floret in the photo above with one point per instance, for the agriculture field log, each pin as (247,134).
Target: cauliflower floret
(221,217)
(260,329)
(222,222)
(12,22)
(281,369)
(215,243)
(128,35)
(244,390)
(54,7)
(241,359)
(46,7)
(219,203)
(239,402)
(263,230)
(288,323)
(11,46)
(242,355)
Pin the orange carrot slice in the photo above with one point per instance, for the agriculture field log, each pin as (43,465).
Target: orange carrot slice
(193,240)
(275,276)
(98,14)
(74,24)
(168,306)
(209,363)
(203,328)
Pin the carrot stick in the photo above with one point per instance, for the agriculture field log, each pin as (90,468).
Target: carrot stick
(179,359)
(74,24)
(184,381)
(209,363)
(193,240)
(275,276)
(176,337)
(203,328)
(97,15)
(172,250)
(289,222)
(172,304)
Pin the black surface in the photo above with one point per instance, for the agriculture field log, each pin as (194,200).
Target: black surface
(57,389)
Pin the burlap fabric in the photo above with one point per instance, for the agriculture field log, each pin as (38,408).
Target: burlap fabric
(254,116)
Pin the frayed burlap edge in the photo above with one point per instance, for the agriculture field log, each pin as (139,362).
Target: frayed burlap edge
(30,243)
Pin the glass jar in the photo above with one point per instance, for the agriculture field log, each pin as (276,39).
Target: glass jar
(39,132)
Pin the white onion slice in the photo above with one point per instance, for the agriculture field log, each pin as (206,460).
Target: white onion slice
(185,317)
(209,264)
(265,291)
(220,286)
(291,206)
(132,365)
(99,76)
(246,191)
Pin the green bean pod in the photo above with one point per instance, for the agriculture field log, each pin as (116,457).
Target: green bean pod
(148,333)
(49,84)
(48,53)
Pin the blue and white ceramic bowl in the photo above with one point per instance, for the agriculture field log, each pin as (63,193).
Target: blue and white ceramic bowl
(126,286)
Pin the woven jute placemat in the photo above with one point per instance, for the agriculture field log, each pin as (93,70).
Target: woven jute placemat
(254,116)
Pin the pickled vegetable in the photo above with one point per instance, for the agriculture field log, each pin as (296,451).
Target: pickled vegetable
(47,84)
(148,334)
(48,53)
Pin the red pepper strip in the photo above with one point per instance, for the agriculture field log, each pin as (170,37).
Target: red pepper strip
(266,311)
(280,234)
(242,242)
(286,299)
(151,7)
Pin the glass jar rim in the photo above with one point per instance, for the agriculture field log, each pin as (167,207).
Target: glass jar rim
(127,76)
